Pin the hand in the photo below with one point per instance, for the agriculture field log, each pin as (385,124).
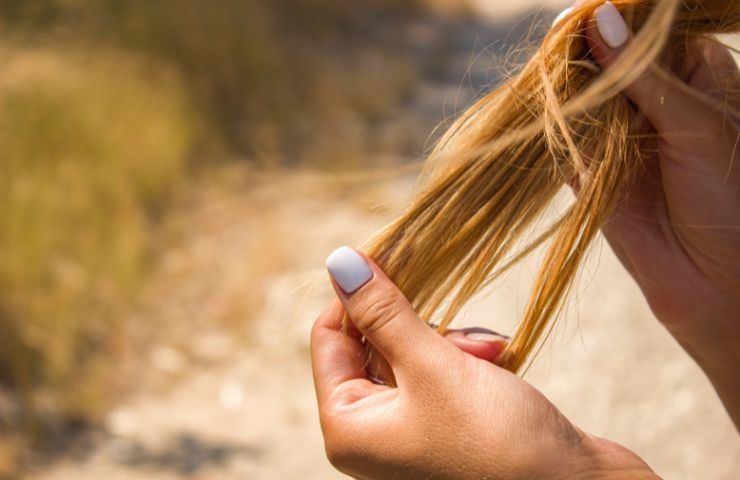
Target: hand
(481,343)
(677,229)
(453,416)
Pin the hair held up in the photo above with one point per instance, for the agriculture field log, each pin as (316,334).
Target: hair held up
(492,175)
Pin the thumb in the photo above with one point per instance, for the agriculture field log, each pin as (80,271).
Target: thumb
(382,313)
(662,97)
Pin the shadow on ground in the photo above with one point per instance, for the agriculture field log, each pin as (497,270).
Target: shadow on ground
(183,454)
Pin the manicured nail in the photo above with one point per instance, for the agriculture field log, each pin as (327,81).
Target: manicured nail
(561,16)
(485,337)
(611,25)
(348,269)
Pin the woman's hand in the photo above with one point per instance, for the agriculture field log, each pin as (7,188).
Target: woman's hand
(453,416)
(677,229)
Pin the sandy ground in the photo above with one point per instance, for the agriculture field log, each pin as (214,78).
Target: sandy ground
(247,410)
(251,413)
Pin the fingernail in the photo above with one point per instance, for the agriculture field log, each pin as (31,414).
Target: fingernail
(611,25)
(562,15)
(348,269)
(485,337)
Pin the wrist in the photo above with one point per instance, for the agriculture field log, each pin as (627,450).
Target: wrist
(709,333)
(706,323)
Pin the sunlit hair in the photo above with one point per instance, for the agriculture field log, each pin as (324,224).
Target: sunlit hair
(492,175)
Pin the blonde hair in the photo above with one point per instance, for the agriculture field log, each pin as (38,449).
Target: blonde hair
(494,172)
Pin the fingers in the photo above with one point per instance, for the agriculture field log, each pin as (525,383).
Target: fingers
(481,343)
(336,357)
(607,35)
(665,99)
(478,342)
(383,315)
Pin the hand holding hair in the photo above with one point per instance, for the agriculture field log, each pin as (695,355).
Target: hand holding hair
(673,212)
(656,171)
(452,415)
(676,226)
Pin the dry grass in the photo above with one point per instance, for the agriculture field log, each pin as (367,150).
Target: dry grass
(92,151)
(109,114)
(268,78)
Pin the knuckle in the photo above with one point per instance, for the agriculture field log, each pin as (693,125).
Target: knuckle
(339,458)
(378,310)
(340,448)
(327,320)
(316,331)
(315,328)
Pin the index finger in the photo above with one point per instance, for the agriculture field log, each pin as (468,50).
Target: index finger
(337,356)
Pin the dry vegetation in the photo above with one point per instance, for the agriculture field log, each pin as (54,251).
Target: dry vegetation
(109,111)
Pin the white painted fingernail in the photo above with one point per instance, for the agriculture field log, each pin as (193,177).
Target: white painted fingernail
(484,337)
(561,16)
(611,25)
(348,269)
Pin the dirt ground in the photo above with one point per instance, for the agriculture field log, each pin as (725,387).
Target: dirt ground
(247,410)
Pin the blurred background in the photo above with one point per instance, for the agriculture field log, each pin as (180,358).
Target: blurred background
(172,175)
